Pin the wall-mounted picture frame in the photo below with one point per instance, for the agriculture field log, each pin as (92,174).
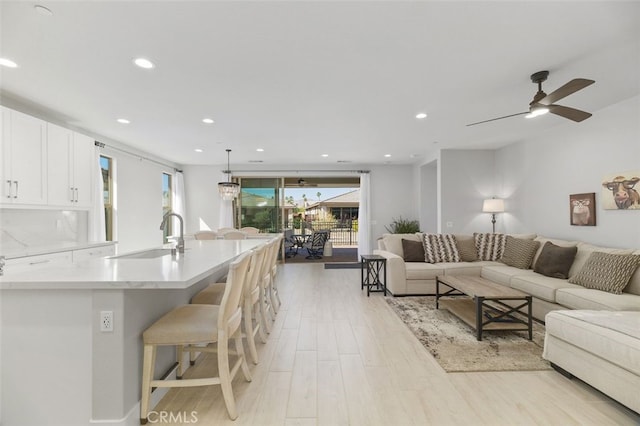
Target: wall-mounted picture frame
(620,191)
(582,209)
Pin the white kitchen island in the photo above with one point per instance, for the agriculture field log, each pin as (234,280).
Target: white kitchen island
(57,367)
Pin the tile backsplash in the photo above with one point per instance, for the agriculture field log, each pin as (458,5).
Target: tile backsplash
(21,229)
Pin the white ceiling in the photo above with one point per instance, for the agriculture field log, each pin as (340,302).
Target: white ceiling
(309,78)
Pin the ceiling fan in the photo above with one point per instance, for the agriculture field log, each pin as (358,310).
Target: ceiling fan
(543,103)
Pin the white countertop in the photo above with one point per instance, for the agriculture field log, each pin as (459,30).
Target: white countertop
(201,259)
(53,248)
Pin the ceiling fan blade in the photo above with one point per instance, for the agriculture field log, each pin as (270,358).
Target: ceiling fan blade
(564,91)
(499,118)
(570,113)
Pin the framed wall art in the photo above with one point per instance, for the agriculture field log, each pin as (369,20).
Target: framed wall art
(619,192)
(582,208)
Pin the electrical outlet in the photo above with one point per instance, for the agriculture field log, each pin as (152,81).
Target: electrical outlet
(106,321)
(449,224)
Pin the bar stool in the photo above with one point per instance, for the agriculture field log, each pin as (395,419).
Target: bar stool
(234,235)
(249,301)
(273,288)
(205,235)
(189,325)
(266,305)
(250,230)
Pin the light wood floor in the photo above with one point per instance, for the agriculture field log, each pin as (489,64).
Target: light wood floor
(336,357)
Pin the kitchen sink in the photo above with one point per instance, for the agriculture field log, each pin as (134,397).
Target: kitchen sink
(147,254)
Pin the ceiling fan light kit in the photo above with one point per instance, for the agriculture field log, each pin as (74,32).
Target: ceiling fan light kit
(543,103)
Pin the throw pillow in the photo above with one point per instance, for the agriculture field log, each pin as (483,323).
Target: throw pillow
(413,251)
(555,261)
(519,252)
(467,249)
(440,248)
(607,272)
(489,246)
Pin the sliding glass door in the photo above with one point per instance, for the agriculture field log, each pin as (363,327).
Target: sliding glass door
(260,204)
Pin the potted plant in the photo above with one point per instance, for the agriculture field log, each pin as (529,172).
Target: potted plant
(403,226)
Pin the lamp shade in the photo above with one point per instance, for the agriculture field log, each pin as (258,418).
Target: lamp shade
(493,205)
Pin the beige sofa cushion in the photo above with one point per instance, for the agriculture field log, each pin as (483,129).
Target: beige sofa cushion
(586,298)
(613,336)
(540,286)
(422,271)
(502,274)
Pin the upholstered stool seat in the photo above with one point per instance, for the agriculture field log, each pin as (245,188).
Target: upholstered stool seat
(185,325)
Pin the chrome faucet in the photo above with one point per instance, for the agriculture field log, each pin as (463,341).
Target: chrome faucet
(165,218)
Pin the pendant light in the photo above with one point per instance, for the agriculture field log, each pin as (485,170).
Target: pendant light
(228,190)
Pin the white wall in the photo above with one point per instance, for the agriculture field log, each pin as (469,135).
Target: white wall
(428,211)
(202,199)
(393,194)
(537,176)
(466,178)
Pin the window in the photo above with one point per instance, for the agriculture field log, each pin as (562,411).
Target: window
(167,203)
(106,164)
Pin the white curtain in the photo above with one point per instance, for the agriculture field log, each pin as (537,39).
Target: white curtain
(97,231)
(226,208)
(364,237)
(178,199)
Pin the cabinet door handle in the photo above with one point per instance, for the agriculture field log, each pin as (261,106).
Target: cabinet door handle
(16,182)
(10,188)
(76,195)
(40,262)
(72,200)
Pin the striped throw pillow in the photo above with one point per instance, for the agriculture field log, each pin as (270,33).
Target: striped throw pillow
(440,248)
(607,272)
(489,246)
(519,252)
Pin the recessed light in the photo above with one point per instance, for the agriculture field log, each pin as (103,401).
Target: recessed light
(421,115)
(387,155)
(325,155)
(123,121)
(208,121)
(43,10)
(143,63)
(197,150)
(8,63)
(260,150)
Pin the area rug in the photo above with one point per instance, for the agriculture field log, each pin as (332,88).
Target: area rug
(453,343)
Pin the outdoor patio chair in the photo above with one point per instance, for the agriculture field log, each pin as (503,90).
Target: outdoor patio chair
(315,244)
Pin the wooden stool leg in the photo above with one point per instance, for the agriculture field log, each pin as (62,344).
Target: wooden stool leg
(225,377)
(243,358)
(248,331)
(263,335)
(180,359)
(148,364)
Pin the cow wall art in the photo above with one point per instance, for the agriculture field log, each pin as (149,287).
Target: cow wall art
(620,191)
(582,209)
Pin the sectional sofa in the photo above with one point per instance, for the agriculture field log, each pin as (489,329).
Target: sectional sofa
(592,334)
(419,278)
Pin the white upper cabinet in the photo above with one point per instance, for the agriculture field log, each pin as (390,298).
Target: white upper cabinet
(24,159)
(70,160)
